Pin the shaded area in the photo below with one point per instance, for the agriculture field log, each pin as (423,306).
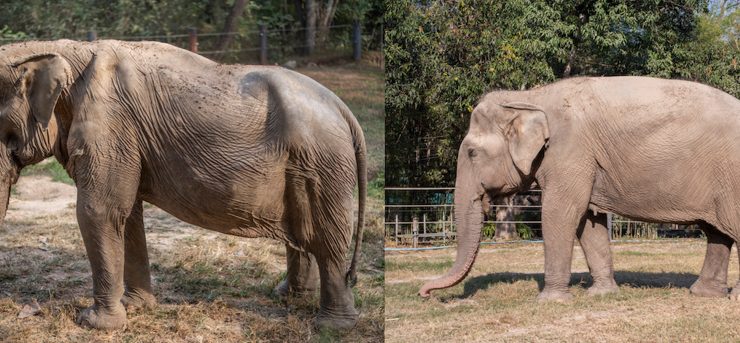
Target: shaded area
(628,278)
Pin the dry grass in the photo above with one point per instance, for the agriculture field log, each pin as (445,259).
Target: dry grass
(496,302)
(211,287)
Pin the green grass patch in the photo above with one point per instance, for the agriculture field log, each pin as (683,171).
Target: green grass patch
(49,167)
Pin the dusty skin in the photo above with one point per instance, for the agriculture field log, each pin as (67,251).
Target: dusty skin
(247,151)
(650,149)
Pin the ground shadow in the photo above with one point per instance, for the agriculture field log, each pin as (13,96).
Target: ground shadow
(633,279)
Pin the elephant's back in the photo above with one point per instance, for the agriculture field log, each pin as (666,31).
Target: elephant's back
(302,112)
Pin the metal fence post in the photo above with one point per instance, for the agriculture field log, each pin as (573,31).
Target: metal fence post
(424,223)
(356,40)
(193,39)
(415,231)
(91,36)
(444,226)
(452,222)
(609,225)
(263,44)
(396,229)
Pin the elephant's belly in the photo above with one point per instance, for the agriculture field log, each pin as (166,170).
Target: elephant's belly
(646,207)
(237,208)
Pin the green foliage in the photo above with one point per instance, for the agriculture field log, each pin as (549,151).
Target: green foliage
(375,186)
(130,19)
(7,34)
(49,167)
(442,56)
(524,231)
(488,230)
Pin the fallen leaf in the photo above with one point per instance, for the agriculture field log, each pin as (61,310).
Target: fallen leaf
(29,310)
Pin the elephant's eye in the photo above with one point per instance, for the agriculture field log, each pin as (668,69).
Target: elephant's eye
(472,152)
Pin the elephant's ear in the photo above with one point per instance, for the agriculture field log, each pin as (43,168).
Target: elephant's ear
(43,78)
(526,133)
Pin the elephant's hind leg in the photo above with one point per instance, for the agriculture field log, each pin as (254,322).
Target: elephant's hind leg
(713,279)
(594,238)
(337,301)
(735,294)
(136,277)
(303,274)
(332,211)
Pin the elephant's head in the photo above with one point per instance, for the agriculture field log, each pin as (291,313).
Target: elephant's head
(497,157)
(30,87)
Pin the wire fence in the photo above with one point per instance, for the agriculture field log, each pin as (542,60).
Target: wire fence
(424,217)
(259,46)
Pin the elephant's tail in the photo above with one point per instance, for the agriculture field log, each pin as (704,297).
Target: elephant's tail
(361,159)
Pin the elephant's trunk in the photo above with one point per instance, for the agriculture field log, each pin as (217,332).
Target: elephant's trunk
(469,202)
(9,172)
(5,185)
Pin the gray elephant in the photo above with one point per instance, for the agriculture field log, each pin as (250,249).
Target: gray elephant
(650,149)
(249,151)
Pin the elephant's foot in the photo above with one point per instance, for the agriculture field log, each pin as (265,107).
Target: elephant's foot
(735,294)
(137,300)
(283,289)
(548,295)
(602,288)
(95,317)
(334,321)
(709,289)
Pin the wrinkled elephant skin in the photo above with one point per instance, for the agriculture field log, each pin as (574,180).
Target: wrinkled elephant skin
(250,151)
(650,149)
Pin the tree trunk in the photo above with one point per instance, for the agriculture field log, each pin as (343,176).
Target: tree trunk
(230,26)
(571,58)
(576,39)
(300,12)
(325,17)
(310,26)
(505,212)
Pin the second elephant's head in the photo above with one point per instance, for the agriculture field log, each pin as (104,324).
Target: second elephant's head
(498,157)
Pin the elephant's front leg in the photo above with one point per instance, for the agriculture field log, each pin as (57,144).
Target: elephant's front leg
(713,279)
(136,276)
(102,228)
(303,273)
(594,238)
(563,209)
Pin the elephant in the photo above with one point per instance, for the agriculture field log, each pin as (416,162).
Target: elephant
(250,151)
(645,148)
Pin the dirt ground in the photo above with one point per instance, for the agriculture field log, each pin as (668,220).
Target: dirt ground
(211,287)
(496,302)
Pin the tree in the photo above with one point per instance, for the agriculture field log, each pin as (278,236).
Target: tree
(230,25)
(442,56)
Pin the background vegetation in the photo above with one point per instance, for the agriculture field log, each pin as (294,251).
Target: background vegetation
(302,25)
(443,55)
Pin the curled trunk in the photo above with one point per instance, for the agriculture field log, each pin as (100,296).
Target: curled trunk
(469,201)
